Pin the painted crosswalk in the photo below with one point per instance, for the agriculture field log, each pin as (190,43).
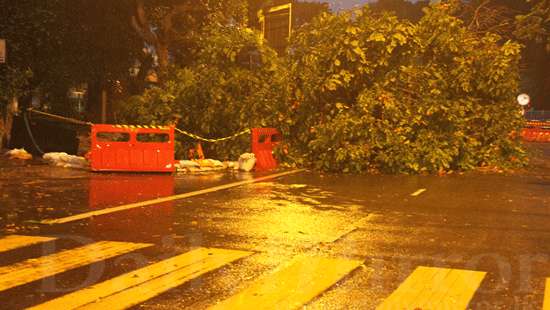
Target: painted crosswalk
(546,305)
(13,242)
(435,288)
(293,285)
(31,270)
(136,287)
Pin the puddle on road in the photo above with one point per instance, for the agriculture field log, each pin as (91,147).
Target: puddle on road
(268,211)
(266,215)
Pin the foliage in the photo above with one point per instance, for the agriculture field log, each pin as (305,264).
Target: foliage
(59,44)
(526,21)
(173,27)
(17,24)
(235,83)
(360,92)
(377,93)
(411,11)
(535,25)
(13,83)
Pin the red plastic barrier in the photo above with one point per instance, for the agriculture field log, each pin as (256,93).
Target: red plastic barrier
(132,148)
(264,141)
(536,134)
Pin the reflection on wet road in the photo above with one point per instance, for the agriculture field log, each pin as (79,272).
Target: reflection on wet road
(478,241)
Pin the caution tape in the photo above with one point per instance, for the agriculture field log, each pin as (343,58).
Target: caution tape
(142,127)
(193,136)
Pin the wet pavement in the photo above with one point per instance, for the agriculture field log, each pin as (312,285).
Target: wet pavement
(497,223)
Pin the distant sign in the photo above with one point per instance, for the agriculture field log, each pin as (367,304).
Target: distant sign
(276,23)
(524,99)
(2,51)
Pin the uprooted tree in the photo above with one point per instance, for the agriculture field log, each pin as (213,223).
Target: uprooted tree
(360,92)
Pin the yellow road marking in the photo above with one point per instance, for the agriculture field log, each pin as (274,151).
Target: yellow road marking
(435,288)
(34,269)
(418,192)
(138,286)
(292,285)
(16,241)
(164,199)
(546,305)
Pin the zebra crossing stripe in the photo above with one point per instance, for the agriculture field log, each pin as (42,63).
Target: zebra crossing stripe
(138,286)
(17,241)
(435,288)
(546,305)
(293,285)
(35,269)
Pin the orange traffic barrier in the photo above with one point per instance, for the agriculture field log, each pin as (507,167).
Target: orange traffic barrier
(264,141)
(132,148)
(536,134)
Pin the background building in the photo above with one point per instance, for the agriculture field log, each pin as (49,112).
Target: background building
(277,21)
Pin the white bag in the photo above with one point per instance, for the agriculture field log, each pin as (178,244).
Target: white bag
(247,161)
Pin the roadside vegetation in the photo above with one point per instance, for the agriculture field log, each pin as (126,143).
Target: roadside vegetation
(355,92)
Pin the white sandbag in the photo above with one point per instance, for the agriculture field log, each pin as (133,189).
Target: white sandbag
(216,163)
(61,159)
(232,165)
(187,164)
(19,154)
(209,163)
(247,161)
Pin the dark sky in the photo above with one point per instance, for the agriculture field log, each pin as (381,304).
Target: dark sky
(347,4)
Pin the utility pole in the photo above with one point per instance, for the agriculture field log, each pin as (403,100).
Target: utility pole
(103,106)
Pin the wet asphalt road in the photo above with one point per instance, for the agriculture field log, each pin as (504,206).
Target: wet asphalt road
(492,222)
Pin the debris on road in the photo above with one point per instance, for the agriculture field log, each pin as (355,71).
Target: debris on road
(247,161)
(205,165)
(200,165)
(66,161)
(232,165)
(19,154)
(210,163)
(187,165)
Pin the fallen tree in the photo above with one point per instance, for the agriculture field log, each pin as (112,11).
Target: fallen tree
(373,92)
(360,92)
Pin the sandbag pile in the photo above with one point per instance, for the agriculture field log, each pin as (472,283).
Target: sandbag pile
(66,161)
(19,154)
(246,163)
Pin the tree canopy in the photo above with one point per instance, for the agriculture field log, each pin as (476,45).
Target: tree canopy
(357,92)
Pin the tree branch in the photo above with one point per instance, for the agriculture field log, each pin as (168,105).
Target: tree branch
(141,24)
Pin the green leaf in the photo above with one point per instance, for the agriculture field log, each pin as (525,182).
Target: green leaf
(377,37)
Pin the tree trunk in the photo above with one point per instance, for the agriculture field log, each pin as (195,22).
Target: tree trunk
(103,105)
(97,108)
(1,130)
(7,123)
(162,52)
